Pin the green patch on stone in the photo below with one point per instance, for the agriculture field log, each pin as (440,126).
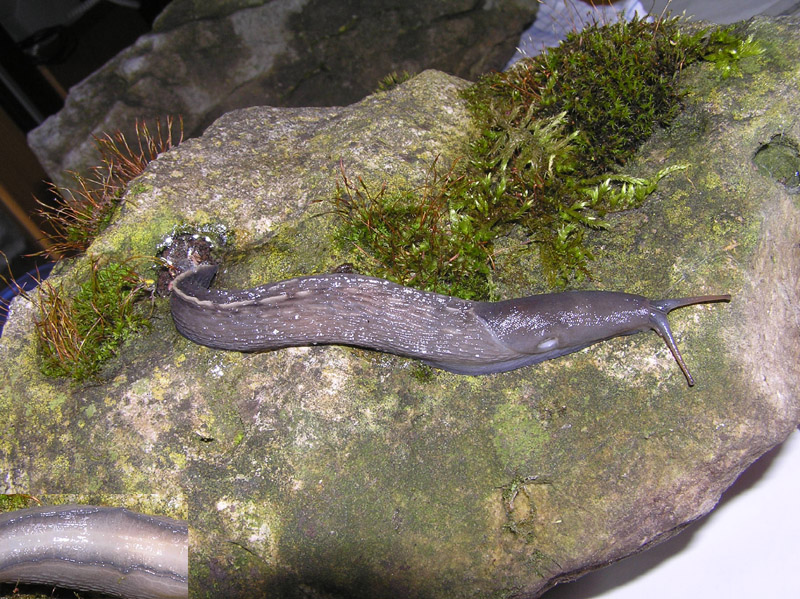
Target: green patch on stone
(725,49)
(518,434)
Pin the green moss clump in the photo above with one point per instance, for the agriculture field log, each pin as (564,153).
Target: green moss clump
(414,236)
(392,80)
(615,83)
(440,236)
(77,333)
(10,502)
(611,86)
(725,50)
(554,132)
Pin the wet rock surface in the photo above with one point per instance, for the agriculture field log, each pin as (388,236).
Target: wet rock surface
(335,472)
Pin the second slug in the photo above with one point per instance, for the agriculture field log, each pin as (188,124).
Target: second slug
(92,548)
(461,336)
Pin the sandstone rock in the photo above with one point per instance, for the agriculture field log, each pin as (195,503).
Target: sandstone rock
(204,59)
(334,472)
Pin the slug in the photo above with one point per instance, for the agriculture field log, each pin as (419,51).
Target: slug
(91,548)
(461,336)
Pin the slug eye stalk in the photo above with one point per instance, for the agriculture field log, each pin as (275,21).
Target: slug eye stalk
(658,319)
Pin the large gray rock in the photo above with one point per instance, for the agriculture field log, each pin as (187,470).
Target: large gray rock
(204,59)
(334,472)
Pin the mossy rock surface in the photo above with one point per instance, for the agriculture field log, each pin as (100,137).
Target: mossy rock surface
(335,472)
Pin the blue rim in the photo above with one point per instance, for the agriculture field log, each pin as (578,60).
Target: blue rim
(26,282)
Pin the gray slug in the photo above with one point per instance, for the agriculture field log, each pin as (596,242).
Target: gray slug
(461,336)
(91,548)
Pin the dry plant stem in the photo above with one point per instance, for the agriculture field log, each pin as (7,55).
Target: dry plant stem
(126,163)
(81,212)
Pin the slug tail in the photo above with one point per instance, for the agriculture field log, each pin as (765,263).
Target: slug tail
(658,319)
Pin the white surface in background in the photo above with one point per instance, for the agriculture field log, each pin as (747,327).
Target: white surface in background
(748,547)
(723,12)
(556,18)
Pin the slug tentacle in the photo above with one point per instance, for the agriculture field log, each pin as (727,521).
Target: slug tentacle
(461,336)
(658,318)
(668,305)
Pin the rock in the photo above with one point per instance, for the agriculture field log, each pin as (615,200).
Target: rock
(335,472)
(204,59)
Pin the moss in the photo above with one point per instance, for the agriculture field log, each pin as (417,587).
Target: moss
(551,130)
(136,188)
(80,325)
(80,213)
(392,80)
(78,332)
(16,501)
(417,237)
(725,49)
(615,85)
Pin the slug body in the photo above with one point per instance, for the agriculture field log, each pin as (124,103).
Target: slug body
(461,336)
(91,548)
